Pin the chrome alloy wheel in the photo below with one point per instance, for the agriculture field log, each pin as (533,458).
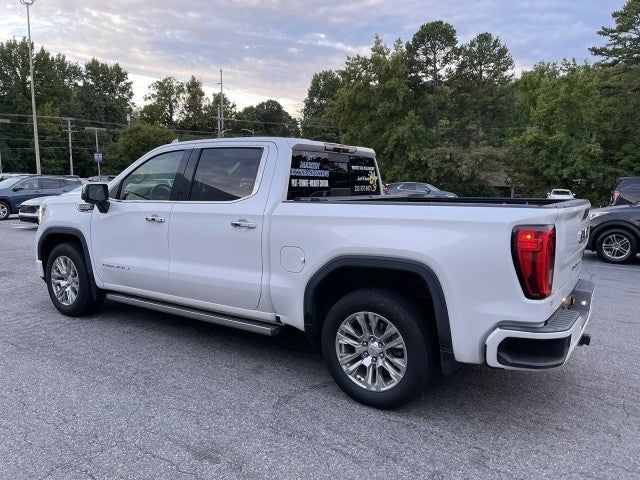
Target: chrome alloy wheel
(64,280)
(4,211)
(371,351)
(616,246)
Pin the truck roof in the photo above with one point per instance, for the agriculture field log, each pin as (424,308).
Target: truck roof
(285,141)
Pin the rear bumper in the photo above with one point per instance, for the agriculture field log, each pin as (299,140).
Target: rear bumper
(546,346)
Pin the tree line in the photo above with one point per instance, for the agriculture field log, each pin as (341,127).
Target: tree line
(455,115)
(434,109)
(99,94)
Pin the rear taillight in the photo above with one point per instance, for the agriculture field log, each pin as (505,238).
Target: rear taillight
(534,253)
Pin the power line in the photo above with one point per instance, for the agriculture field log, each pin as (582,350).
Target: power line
(124,125)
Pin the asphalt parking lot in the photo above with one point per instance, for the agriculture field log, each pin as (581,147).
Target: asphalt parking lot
(129,393)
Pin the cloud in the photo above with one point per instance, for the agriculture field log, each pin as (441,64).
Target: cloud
(271,48)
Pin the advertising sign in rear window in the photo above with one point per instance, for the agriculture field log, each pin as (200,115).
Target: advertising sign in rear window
(326,174)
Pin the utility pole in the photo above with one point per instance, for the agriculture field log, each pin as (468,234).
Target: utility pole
(28,3)
(96,130)
(3,120)
(221,106)
(69,131)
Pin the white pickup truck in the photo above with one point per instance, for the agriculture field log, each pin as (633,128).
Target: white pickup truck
(263,233)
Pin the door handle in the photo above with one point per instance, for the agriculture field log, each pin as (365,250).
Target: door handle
(243,224)
(155,218)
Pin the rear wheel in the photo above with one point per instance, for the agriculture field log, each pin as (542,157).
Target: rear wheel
(617,246)
(68,281)
(5,210)
(377,348)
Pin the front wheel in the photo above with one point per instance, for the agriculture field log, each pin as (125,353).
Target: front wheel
(378,348)
(68,281)
(616,246)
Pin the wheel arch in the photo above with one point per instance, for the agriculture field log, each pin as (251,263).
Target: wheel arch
(54,236)
(350,269)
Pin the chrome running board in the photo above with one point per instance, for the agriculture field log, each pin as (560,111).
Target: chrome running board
(197,314)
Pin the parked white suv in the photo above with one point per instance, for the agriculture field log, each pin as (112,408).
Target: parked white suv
(560,194)
(263,233)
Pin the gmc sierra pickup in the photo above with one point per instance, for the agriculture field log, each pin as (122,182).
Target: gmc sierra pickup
(262,233)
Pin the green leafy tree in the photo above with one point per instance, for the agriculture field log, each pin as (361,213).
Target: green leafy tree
(165,99)
(623,40)
(482,88)
(212,111)
(193,115)
(618,121)
(105,92)
(464,171)
(323,88)
(267,118)
(137,139)
(376,106)
(432,54)
(55,82)
(561,144)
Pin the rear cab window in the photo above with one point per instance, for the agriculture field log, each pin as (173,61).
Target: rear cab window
(329,174)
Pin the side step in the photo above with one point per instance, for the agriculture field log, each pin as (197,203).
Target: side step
(197,314)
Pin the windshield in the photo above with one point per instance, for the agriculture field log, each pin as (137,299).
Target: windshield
(9,182)
(561,192)
(431,187)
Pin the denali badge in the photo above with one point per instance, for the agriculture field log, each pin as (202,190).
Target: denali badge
(117,267)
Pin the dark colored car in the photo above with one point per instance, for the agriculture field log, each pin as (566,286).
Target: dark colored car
(417,188)
(627,191)
(615,232)
(16,190)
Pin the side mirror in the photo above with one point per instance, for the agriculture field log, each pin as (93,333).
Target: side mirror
(17,189)
(96,194)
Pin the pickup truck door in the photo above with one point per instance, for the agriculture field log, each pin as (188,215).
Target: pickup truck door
(129,243)
(215,235)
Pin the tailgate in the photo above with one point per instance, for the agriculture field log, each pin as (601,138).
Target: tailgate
(572,233)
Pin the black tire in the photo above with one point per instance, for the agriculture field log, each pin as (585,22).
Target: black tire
(421,364)
(84,303)
(5,210)
(607,235)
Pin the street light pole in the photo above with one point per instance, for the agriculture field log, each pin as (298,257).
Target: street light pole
(28,3)
(96,130)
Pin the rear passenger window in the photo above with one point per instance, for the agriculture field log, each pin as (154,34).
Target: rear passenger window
(327,174)
(50,183)
(30,184)
(225,174)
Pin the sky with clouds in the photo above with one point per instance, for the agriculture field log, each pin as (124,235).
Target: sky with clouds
(271,48)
